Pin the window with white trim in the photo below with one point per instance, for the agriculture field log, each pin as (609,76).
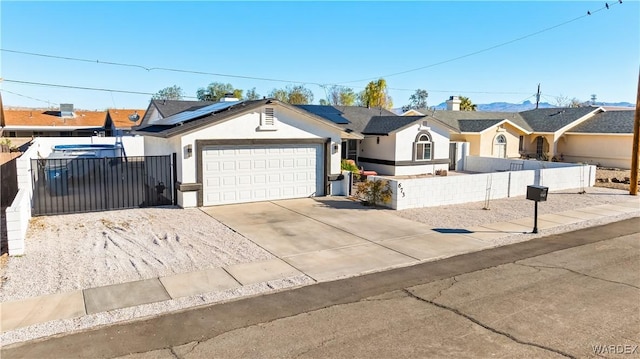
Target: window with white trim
(424,147)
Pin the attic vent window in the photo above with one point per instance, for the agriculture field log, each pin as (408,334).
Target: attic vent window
(268,121)
(268,117)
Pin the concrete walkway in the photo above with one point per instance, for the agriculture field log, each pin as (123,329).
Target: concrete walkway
(326,239)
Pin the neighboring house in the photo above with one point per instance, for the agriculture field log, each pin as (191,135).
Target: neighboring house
(120,121)
(244,151)
(392,144)
(605,139)
(52,123)
(593,135)
(164,108)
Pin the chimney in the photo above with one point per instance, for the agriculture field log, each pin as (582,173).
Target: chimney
(66,110)
(228,97)
(453,103)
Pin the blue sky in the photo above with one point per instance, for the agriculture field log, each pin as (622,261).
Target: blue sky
(321,43)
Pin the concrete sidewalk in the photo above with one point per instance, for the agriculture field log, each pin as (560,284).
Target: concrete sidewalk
(330,248)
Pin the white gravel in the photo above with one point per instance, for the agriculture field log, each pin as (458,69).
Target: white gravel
(78,251)
(72,252)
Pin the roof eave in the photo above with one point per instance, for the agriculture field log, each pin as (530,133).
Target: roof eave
(600,133)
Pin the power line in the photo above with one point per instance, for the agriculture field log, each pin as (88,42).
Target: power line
(321,85)
(29,97)
(607,6)
(155,68)
(83,88)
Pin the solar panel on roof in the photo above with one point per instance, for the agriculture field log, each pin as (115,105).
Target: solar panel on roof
(190,115)
(329,112)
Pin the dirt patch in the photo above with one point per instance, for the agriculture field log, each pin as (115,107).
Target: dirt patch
(613,178)
(3,263)
(78,251)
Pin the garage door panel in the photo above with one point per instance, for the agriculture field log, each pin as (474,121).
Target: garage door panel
(228,181)
(234,174)
(287,163)
(212,182)
(259,164)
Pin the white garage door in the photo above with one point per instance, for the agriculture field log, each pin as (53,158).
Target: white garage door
(236,174)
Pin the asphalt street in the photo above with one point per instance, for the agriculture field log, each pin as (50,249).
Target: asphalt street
(570,295)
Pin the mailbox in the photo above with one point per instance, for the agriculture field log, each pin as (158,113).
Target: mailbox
(537,193)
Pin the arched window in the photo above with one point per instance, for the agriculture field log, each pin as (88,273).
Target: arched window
(424,147)
(500,146)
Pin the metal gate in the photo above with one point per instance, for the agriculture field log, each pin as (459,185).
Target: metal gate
(78,185)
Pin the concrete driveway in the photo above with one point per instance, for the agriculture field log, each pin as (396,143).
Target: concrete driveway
(329,238)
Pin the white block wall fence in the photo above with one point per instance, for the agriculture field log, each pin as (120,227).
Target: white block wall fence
(438,191)
(19,213)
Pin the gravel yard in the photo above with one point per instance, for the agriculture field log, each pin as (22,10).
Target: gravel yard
(77,251)
(71,252)
(472,214)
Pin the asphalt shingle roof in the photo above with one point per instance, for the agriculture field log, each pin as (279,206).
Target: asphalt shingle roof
(476,125)
(358,117)
(607,122)
(211,118)
(383,125)
(463,121)
(168,108)
(553,119)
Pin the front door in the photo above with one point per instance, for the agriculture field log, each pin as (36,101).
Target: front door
(453,153)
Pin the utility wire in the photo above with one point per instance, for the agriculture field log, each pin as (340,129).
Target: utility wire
(83,88)
(29,97)
(607,6)
(322,85)
(155,68)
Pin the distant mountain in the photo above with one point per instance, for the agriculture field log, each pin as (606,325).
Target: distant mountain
(527,105)
(617,104)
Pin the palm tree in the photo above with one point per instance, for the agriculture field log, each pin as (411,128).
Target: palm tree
(466,104)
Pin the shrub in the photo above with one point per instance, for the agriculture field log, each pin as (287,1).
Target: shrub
(348,165)
(374,192)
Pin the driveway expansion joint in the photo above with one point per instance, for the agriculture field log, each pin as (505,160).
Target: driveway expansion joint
(485,326)
(540,267)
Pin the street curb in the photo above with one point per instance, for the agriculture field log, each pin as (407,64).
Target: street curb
(205,322)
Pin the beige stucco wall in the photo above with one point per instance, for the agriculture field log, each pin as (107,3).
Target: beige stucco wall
(474,142)
(481,144)
(604,150)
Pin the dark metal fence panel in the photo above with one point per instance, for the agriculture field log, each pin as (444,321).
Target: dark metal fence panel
(9,181)
(77,185)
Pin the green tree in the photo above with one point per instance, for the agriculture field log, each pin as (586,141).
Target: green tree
(295,95)
(466,104)
(217,90)
(417,100)
(375,95)
(252,95)
(169,93)
(341,96)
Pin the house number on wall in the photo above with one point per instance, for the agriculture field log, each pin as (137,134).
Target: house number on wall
(400,188)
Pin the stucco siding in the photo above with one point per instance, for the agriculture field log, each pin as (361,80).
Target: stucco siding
(384,150)
(511,134)
(603,150)
(405,141)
